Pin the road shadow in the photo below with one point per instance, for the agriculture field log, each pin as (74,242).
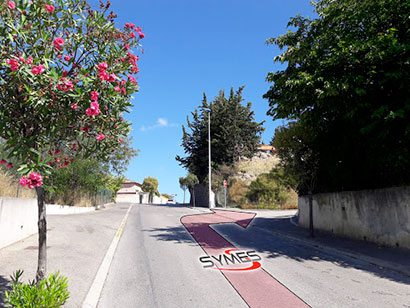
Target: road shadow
(4,286)
(278,237)
(178,235)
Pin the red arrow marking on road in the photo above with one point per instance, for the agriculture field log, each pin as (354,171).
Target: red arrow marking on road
(256,287)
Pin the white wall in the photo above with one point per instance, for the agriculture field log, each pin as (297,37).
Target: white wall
(133,198)
(55,209)
(381,216)
(18,219)
(159,200)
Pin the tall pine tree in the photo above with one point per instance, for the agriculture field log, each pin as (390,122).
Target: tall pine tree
(234,133)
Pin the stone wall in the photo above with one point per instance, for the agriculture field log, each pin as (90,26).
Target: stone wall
(381,216)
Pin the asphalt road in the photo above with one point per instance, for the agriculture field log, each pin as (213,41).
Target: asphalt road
(157,265)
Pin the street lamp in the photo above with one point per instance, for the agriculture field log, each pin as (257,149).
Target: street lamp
(209,158)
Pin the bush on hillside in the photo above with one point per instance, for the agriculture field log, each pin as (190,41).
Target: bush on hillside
(271,189)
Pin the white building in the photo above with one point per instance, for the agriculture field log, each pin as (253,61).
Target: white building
(131,192)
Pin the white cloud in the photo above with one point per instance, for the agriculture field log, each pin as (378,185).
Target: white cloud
(161,122)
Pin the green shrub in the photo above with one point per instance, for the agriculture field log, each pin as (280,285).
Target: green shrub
(271,189)
(49,293)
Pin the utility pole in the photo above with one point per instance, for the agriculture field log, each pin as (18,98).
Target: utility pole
(209,158)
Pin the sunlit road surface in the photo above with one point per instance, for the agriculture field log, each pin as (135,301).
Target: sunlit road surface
(157,264)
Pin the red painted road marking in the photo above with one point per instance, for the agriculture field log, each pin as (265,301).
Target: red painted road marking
(256,287)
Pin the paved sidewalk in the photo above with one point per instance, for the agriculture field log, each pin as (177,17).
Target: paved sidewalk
(76,247)
(279,223)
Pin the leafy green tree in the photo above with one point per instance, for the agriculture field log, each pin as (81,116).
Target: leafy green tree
(83,176)
(65,81)
(299,161)
(183,185)
(114,183)
(234,133)
(191,181)
(150,185)
(346,83)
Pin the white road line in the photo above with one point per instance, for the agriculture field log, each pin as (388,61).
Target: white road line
(93,296)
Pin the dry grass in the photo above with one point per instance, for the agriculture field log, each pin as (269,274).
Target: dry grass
(10,185)
(292,202)
(250,169)
(238,191)
(75,198)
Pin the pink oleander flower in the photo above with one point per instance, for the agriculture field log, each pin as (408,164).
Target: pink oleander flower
(100,137)
(74,106)
(132,34)
(21,59)
(57,152)
(65,73)
(29,60)
(93,110)
(135,69)
(14,64)
(117,89)
(142,35)
(126,46)
(67,58)
(123,91)
(111,77)
(102,67)
(132,79)
(94,96)
(34,180)
(23,181)
(65,85)
(2,162)
(123,82)
(120,140)
(49,8)
(37,70)
(129,25)
(132,59)
(58,43)
(11,5)
(122,59)
(103,76)
(9,165)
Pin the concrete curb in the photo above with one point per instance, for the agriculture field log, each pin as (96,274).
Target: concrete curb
(93,296)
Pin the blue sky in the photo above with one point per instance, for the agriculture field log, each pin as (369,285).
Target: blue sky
(191,47)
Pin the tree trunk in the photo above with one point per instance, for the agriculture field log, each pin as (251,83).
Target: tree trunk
(311,213)
(193,190)
(184,195)
(42,235)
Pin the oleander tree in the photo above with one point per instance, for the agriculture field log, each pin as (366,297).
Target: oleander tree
(67,73)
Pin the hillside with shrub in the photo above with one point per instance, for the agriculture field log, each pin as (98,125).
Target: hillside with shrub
(257,182)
